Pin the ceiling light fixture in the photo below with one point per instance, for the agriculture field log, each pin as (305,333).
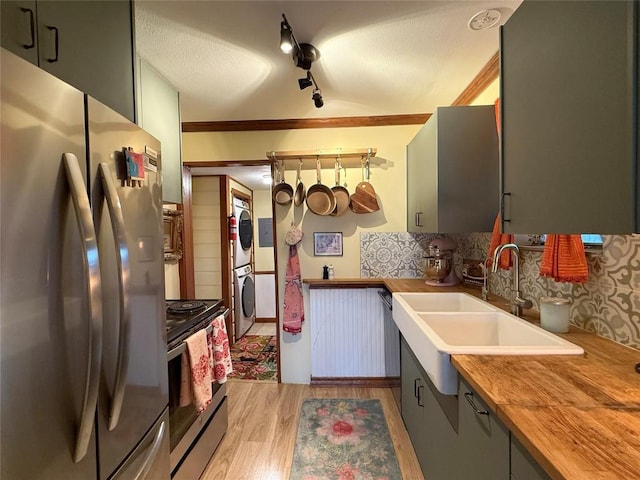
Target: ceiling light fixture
(305,82)
(286,36)
(317,98)
(303,54)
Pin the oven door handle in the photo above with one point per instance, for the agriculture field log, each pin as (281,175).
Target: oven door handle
(124,274)
(174,352)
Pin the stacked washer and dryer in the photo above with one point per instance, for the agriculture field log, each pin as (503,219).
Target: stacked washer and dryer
(243,285)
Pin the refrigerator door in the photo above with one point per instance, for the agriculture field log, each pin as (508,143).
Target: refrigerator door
(128,220)
(49,341)
(149,461)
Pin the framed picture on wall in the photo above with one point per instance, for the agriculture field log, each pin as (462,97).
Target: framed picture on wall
(172,222)
(327,244)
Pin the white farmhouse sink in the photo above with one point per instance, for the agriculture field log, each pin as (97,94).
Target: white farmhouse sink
(444,302)
(437,325)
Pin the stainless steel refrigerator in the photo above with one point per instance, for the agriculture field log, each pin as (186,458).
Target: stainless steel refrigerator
(83,369)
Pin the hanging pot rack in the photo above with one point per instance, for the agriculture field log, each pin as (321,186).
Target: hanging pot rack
(348,157)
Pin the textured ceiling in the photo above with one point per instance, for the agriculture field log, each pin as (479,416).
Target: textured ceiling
(377,57)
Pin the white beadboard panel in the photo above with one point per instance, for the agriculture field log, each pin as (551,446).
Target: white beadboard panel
(347,333)
(205,198)
(208,291)
(208,278)
(204,211)
(205,250)
(206,184)
(265,295)
(206,223)
(208,265)
(207,236)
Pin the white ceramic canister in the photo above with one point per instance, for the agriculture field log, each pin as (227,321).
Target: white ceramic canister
(554,314)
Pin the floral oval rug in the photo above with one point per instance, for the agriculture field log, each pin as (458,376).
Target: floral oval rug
(343,439)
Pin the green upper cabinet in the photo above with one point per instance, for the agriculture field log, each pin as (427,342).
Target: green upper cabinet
(87,44)
(452,172)
(159,114)
(569,94)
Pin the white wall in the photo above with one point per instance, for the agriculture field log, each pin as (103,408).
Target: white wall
(264,261)
(171,281)
(388,179)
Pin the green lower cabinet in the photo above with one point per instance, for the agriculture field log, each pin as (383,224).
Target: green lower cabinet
(483,441)
(431,419)
(523,465)
(458,437)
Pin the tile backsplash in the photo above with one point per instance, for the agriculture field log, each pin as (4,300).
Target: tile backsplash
(608,303)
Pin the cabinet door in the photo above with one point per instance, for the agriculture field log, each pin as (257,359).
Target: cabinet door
(159,115)
(441,436)
(90,46)
(523,465)
(483,441)
(412,383)
(19,32)
(568,119)
(422,181)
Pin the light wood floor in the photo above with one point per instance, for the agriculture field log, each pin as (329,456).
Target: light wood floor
(263,422)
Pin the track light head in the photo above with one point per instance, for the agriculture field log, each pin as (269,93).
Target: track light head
(317,98)
(286,37)
(305,82)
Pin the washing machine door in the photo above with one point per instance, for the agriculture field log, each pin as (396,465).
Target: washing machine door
(248,297)
(245,230)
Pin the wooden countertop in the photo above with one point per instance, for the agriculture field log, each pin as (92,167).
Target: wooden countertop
(579,416)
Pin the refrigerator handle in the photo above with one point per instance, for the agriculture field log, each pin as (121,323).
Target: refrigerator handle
(91,266)
(153,453)
(122,256)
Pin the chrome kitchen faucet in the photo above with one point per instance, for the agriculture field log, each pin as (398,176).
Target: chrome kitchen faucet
(517,302)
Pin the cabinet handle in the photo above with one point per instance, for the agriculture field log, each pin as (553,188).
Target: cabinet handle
(32,28)
(418,219)
(56,44)
(420,388)
(415,387)
(469,397)
(505,194)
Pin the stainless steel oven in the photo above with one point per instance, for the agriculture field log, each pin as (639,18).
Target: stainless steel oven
(193,437)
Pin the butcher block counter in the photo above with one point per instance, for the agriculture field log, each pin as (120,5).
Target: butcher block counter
(579,416)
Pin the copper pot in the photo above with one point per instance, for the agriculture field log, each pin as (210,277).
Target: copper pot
(320,198)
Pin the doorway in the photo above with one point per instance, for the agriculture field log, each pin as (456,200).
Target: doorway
(208,203)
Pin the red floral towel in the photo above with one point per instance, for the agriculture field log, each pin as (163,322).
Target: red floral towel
(497,239)
(196,372)
(219,354)
(564,259)
(293,301)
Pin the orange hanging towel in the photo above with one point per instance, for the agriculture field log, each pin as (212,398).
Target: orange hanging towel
(564,259)
(497,239)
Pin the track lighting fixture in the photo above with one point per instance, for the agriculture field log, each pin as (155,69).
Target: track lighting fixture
(286,36)
(303,54)
(317,98)
(305,82)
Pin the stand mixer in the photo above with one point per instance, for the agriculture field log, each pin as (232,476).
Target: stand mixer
(439,270)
